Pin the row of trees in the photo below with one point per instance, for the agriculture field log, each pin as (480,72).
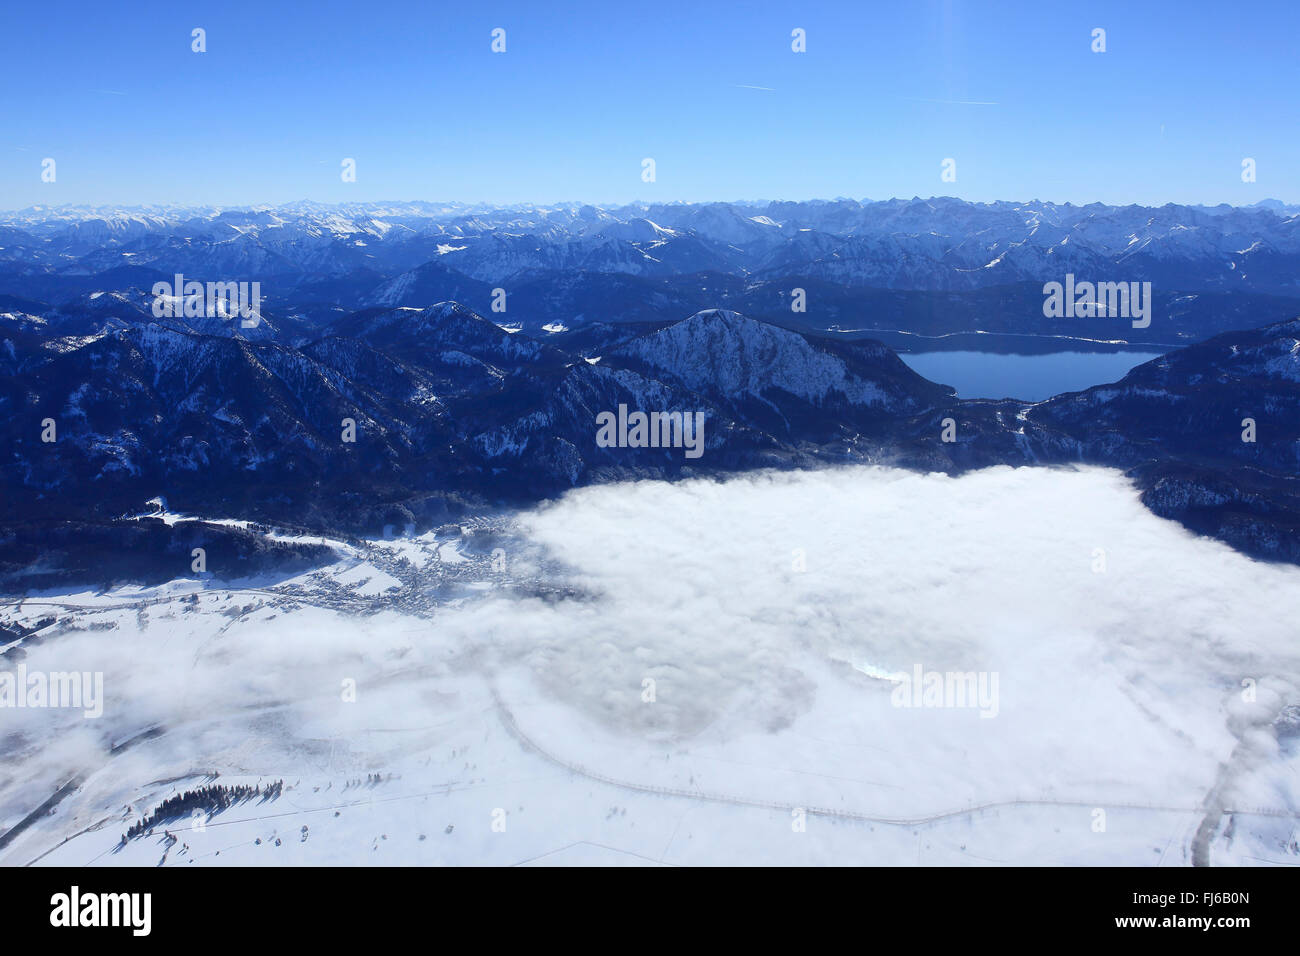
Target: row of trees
(209,800)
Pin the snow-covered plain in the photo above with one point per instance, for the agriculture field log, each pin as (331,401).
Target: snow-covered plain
(657,673)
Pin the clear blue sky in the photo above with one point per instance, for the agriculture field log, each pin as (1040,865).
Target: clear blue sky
(584,91)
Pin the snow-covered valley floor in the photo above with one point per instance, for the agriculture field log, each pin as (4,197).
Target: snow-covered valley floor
(692,673)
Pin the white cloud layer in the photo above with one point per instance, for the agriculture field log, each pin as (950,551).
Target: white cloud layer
(760,607)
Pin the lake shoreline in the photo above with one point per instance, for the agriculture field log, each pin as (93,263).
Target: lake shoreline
(1027,378)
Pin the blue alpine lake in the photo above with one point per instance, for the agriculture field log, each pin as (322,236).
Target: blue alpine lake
(1031,378)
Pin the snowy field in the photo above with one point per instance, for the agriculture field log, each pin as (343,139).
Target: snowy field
(693,673)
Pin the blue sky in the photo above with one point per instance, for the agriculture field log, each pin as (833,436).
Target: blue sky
(885,92)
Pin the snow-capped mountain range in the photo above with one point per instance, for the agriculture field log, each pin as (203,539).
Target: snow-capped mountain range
(913,273)
(927,244)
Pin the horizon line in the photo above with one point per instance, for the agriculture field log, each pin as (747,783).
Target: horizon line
(1266,203)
